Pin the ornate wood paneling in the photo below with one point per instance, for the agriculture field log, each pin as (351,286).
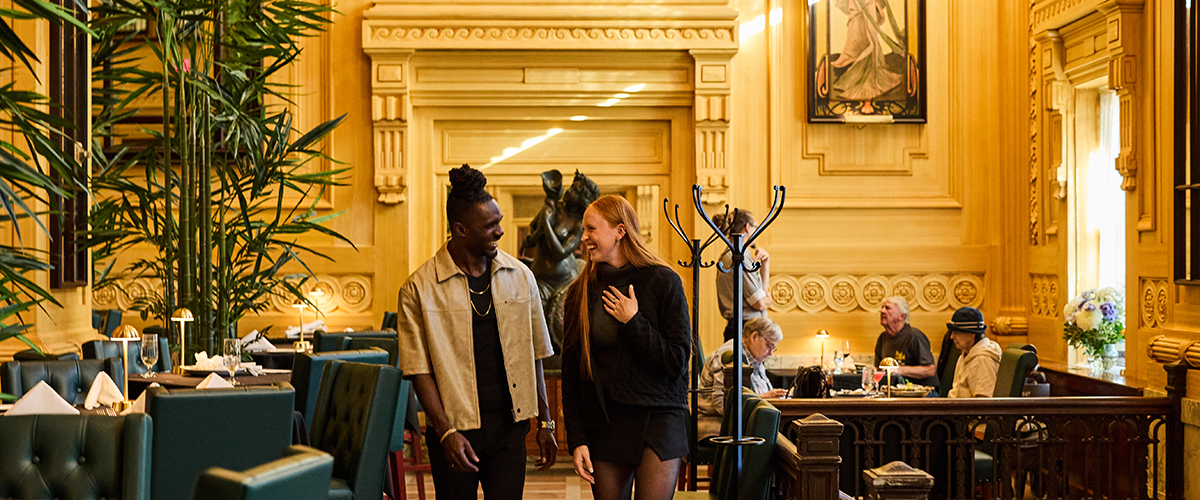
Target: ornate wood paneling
(845,293)
(1153,302)
(345,294)
(1045,295)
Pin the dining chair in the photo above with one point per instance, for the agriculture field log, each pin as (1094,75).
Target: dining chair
(946,372)
(1015,362)
(392,346)
(195,429)
(75,457)
(302,474)
(355,413)
(106,321)
(71,379)
(761,420)
(391,321)
(307,370)
(339,341)
(101,349)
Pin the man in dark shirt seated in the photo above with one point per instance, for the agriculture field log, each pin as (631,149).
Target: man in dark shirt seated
(905,344)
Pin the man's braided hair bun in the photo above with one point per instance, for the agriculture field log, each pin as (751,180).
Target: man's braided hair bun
(466,190)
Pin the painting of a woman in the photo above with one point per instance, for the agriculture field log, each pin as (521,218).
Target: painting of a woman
(867,75)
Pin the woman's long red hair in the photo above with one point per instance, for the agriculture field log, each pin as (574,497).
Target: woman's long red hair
(616,210)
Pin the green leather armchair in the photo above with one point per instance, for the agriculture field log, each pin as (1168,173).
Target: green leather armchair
(73,457)
(762,421)
(102,349)
(1015,362)
(307,370)
(302,474)
(354,417)
(195,429)
(71,379)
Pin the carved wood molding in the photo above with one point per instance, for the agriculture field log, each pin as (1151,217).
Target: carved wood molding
(1153,302)
(612,35)
(345,294)
(845,293)
(1045,295)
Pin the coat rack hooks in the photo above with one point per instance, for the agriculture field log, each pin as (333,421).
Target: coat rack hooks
(737,248)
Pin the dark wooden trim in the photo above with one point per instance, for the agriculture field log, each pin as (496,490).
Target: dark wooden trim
(1065,383)
(1095,405)
(69,95)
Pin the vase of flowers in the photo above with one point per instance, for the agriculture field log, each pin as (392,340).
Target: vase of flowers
(1095,320)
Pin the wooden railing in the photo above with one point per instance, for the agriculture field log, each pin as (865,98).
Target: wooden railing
(1064,448)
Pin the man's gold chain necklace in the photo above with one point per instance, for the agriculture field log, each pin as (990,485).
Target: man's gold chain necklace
(481,292)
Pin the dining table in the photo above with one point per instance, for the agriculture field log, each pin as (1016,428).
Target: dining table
(137,384)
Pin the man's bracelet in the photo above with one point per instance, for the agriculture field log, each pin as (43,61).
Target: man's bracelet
(447,433)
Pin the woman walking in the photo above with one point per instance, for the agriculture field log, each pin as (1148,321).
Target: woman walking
(625,353)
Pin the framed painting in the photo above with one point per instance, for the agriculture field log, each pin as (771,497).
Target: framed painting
(866,61)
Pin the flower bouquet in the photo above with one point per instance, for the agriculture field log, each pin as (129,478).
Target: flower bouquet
(1095,319)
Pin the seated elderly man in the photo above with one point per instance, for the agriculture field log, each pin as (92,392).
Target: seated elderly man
(975,373)
(907,345)
(759,338)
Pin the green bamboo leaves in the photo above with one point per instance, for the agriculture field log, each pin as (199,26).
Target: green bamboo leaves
(33,171)
(222,186)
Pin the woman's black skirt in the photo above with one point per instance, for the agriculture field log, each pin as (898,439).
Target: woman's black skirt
(632,428)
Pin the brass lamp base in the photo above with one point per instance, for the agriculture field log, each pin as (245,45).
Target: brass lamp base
(303,346)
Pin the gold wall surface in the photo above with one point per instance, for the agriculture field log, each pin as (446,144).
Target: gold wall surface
(957,211)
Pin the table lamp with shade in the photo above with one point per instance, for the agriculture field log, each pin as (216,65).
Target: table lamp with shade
(125,334)
(301,345)
(888,364)
(182,316)
(823,335)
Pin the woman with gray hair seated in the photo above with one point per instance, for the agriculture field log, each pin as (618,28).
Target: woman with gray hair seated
(759,339)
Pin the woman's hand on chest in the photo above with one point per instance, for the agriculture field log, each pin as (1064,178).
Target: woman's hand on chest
(620,306)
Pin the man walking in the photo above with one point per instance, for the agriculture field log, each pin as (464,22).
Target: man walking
(472,337)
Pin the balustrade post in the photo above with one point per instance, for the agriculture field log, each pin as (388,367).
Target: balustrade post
(817,443)
(1176,391)
(897,481)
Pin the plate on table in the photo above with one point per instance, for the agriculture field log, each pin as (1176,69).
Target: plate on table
(917,391)
(848,393)
(204,372)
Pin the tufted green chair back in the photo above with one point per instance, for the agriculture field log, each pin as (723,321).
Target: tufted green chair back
(761,420)
(195,429)
(75,457)
(354,417)
(71,379)
(101,349)
(307,370)
(302,474)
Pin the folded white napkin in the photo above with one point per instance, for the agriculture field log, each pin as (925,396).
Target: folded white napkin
(256,345)
(294,331)
(214,381)
(42,400)
(103,392)
(203,362)
(139,405)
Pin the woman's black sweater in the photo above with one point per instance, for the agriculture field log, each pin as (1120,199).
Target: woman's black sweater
(641,363)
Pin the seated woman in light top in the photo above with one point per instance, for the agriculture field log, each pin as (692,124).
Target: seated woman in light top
(975,373)
(759,338)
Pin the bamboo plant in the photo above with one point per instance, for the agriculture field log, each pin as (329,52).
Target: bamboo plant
(220,188)
(33,169)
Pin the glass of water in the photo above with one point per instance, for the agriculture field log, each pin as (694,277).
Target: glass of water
(232,357)
(149,353)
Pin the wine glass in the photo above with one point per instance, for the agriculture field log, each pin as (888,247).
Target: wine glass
(232,357)
(844,345)
(149,353)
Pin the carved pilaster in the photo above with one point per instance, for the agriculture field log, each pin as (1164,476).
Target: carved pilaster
(712,123)
(389,115)
(1124,57)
